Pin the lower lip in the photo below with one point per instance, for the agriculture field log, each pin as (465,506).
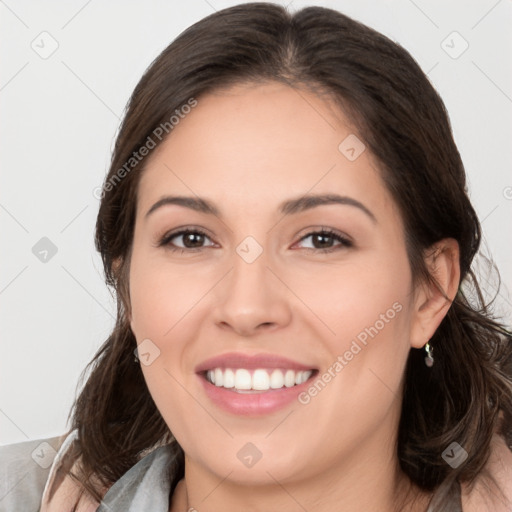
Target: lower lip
(252,404)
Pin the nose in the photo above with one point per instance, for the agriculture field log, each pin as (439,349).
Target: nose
(251,298)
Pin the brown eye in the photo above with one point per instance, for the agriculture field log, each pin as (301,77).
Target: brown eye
(185,239)
(193,239)
(322,241)
(326,241)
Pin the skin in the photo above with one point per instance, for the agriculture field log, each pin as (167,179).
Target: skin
(247,149)
(336,450)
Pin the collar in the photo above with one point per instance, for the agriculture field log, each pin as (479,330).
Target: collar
(145,486)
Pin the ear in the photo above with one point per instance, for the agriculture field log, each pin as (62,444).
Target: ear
(433,300)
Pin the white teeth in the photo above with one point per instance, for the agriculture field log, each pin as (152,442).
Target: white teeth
(219,376)
(242,379)
(260,380)
(289,378)
(277,379)
(229,379)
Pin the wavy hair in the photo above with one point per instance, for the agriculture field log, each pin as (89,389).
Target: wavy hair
(467,395)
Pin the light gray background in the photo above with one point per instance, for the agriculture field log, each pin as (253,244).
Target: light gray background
(59,116)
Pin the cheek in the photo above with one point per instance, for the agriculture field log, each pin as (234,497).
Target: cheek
(162,300)
(161,295)
(360,300)
(364,311)
(167,302)
(367,308)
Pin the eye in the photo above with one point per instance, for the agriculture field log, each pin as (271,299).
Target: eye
(185,239)
(326,240)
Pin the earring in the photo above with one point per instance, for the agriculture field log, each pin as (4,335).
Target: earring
(429,360)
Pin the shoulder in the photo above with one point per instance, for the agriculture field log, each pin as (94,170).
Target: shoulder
(145,486)
(62,492)
(24,470)
(494,493)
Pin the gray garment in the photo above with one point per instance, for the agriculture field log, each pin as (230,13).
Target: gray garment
(23,474)
(25,469)
(144,487)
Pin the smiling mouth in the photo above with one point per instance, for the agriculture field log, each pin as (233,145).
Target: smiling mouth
(259,380)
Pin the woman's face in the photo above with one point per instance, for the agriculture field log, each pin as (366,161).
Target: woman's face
(295,268)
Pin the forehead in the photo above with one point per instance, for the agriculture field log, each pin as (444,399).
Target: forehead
(258,143)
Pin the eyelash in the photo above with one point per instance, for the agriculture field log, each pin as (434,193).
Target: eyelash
(344,242)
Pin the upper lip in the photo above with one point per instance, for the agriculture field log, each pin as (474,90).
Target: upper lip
(239,360)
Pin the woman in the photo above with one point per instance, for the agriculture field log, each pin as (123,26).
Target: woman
(287,227)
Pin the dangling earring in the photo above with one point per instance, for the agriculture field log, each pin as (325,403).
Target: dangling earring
(429,360)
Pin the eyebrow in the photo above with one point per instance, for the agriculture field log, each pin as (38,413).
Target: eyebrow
(311,201)
(194,203)
(287,207)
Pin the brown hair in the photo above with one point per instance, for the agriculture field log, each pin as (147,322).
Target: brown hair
(403,122)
